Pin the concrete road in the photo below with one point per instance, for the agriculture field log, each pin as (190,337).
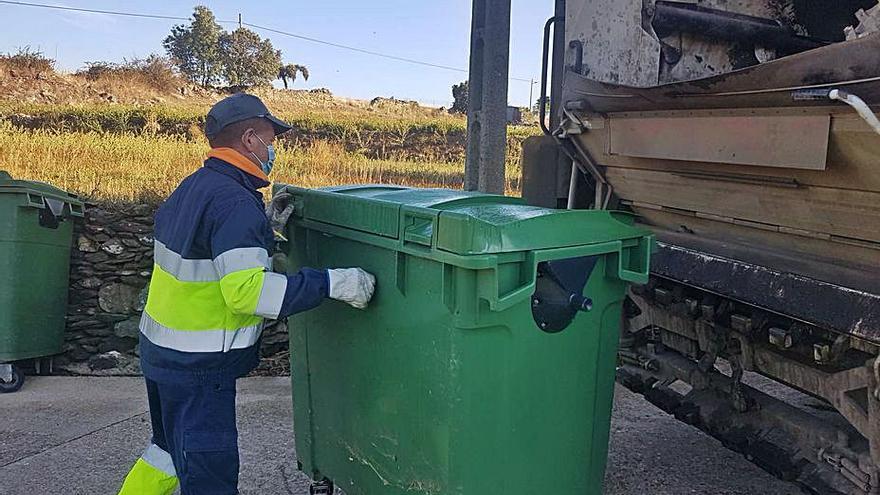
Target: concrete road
(80,435)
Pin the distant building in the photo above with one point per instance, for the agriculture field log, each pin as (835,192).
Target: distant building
(514,115)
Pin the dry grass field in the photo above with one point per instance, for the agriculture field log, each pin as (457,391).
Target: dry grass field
(131,167)
(118,137)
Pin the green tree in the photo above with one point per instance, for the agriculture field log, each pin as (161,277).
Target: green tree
(289,71)
(247,59)
(194,49)
(459,98)
(537,107)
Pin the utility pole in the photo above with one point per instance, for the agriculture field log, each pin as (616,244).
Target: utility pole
(487,96)
(531,87)
(239,20)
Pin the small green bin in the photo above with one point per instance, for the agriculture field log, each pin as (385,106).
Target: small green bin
(485,362)
(36,231)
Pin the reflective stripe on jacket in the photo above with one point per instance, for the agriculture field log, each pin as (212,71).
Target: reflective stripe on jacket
(212,284)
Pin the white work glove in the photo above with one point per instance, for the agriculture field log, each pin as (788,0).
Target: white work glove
(279,210)
(351,285)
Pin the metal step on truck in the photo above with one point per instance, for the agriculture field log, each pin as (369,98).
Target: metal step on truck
(743,134)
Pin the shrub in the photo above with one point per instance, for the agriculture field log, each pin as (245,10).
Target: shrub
(154,71)
(95,70)
(27,60)
(460,98)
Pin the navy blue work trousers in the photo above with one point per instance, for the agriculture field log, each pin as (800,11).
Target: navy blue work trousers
(195,423)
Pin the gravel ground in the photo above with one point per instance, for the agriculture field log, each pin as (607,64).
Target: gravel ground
(652,452)
(80,435)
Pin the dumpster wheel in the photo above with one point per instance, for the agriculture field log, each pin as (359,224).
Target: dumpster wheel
(323,487)
(13,380)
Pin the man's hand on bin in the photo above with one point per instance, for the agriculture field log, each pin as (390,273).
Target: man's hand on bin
(279,210)
(351,285)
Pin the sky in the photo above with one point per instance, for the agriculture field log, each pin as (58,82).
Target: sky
(437,32)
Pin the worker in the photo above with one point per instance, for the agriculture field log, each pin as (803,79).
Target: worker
(210,293)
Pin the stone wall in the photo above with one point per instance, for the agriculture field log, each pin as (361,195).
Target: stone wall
(110,269)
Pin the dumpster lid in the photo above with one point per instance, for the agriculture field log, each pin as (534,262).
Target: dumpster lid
(10,185)
(459,222)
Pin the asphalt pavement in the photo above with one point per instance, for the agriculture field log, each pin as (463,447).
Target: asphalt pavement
(71,436)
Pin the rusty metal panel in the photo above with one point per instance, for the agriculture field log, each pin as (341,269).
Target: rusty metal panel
(829,305)
(617,46)
(787,141)
(852,66)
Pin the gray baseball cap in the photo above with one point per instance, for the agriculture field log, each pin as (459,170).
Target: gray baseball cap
(238,107)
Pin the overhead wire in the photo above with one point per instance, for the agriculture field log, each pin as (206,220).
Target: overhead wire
(368,52)
(255,26)
(95,11)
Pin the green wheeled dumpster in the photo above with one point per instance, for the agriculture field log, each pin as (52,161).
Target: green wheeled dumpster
(485,362)
(36,231)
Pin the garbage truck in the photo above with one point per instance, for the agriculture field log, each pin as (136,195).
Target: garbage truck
(744,135)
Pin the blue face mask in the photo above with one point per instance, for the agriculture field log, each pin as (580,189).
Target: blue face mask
(270,160)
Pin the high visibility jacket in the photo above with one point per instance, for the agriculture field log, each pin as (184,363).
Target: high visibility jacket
(212,285)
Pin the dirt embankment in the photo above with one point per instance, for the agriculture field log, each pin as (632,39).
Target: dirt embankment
(30,77)
(146,99)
